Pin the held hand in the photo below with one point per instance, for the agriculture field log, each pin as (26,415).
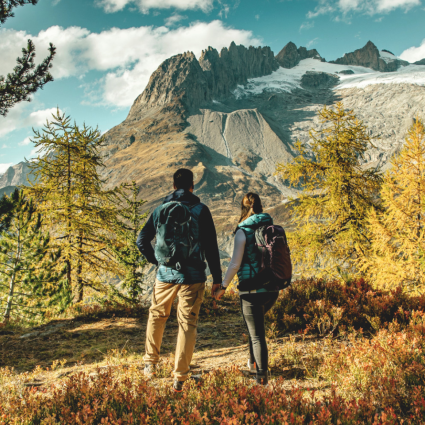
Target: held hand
(219,294)
(214,289)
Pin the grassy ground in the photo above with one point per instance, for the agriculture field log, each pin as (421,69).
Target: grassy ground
(86,342)
(89,369)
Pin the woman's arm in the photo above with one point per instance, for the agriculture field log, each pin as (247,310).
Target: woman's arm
(236,261)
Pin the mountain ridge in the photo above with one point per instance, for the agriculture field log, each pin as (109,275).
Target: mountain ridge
(231,116)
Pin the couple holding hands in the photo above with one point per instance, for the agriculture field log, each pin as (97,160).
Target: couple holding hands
(185,239)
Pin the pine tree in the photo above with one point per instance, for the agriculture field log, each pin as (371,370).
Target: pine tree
(130,221)
(29,279)
(68,190)
(397,254)
(26,78)
(330,214)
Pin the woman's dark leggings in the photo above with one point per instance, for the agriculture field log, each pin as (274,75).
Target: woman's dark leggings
(254,307)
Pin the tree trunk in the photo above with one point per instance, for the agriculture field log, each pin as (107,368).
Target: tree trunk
(9,299)
(80,285)
(13,280)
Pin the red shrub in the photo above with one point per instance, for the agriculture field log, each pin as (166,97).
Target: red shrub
(361,304)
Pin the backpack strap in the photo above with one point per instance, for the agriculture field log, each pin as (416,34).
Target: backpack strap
(247,260)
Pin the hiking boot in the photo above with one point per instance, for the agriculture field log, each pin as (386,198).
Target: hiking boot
(150,370)
(197,379)
(178,386)
(262,379)
(252,367)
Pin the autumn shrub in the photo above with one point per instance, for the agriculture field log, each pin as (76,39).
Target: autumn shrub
(104,309)
(388,369)
(224,397)
(326,306)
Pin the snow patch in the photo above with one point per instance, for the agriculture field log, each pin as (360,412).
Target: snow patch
(387,57)
(287,80)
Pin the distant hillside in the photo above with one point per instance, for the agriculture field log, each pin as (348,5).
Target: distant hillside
(231,116)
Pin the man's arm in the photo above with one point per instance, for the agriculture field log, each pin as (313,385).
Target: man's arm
(144,240)
(208,239)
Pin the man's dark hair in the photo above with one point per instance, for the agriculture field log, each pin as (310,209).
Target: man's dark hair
(183,179)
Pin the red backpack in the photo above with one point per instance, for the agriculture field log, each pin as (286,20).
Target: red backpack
(274,254)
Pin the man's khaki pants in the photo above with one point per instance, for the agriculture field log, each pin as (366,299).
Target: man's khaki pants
(190,300)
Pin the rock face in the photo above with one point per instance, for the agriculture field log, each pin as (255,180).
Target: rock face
(290,56)
(15,176)
(421,62)
(312,79)
(213,77)
(179,77)
(190,116)
(370,57)
(234,66)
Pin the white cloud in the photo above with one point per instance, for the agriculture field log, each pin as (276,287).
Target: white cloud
(257,17)
(312,42)
(18,117)
(370,7)
(224,12)
(35,152)
(174,19)
(111,6)
(4,167)
(324,7)
(414,54)
(123,86)
(25,142)
(306,25)
(128,55)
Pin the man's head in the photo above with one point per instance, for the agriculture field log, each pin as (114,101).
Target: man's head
(183,179)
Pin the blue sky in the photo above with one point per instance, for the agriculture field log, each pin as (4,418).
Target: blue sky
(107,49)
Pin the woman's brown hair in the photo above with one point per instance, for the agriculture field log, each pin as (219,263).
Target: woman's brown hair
(250,205)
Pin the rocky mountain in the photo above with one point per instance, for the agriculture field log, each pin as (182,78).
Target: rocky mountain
(232,115)
(214,76)
(290,56)
(370,57)
(14,176)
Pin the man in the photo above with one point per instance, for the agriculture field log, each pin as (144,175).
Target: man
(186,280)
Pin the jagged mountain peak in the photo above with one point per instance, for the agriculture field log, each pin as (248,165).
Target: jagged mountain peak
(196,82)
(290,56)
(370,57)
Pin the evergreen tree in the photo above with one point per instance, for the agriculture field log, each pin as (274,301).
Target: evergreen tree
(397,254)
(6,212)
(130,221)
(26,78)
(330,215)
(69,192)
(29,280)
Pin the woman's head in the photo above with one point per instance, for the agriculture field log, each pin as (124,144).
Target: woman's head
(250,205)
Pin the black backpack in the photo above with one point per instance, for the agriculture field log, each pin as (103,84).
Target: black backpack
(274,257)
(174,240)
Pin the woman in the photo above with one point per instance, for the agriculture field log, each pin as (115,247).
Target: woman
(255,303)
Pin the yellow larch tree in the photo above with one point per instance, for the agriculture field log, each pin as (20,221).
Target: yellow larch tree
(397,254)
(337,194)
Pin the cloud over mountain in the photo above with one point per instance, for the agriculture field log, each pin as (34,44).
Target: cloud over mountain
(414,54)
(128,56)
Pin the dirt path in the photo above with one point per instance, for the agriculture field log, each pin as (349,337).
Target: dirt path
(89,343)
